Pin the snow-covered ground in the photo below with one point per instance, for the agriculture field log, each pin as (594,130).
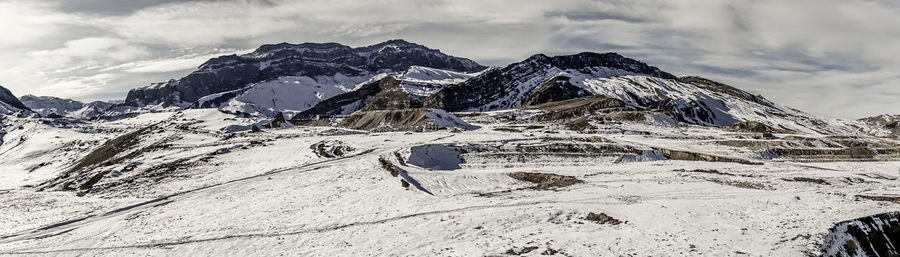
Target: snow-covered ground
(195,190)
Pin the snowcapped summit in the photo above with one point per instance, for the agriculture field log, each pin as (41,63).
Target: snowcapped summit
(312,60)
(590,59)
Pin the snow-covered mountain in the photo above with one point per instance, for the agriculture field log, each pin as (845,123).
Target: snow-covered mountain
(50,105)
(694,100)
(9,103)
(318,64)
(508,87)
(885,125)
(46,105)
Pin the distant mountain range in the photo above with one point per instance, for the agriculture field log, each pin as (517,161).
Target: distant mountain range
(312,80)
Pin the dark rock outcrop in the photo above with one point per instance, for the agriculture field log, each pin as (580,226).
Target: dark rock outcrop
(555,89)
(876,235)
(234,72)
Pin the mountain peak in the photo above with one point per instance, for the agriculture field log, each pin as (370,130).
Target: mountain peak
(610,60)
(396,42)
(308,46)
(592,59)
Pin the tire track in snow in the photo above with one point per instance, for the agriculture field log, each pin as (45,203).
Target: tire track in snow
(71,224)
(298,232)
(39,232)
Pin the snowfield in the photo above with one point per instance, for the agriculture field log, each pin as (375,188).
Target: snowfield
(506,186)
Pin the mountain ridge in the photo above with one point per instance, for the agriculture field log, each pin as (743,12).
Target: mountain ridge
(231,72)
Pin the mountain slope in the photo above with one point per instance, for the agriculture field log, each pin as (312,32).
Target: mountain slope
(507,87)
(885,125)
(9,103)
(287,93)
(318,61)
(390,92)
(641,87)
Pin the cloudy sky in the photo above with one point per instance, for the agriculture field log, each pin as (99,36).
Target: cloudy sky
(834,58)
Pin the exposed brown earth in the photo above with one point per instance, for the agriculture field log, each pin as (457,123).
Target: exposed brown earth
(626,115)
(749,126)
(692,156)
(882,198)
(387,120)
(567,109)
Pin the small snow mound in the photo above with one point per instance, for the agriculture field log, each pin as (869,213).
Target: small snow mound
(448,120)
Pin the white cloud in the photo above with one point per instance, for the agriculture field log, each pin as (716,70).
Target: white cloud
(87,52)
(77,86)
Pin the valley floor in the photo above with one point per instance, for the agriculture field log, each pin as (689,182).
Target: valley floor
(281,197)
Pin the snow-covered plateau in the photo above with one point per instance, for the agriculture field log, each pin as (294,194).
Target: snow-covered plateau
(177,183)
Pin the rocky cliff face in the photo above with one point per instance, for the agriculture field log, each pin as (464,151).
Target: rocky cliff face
(312,60)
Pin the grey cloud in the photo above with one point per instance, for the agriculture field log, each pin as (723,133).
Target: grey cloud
(741,73)
(594,16)
(111,7)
